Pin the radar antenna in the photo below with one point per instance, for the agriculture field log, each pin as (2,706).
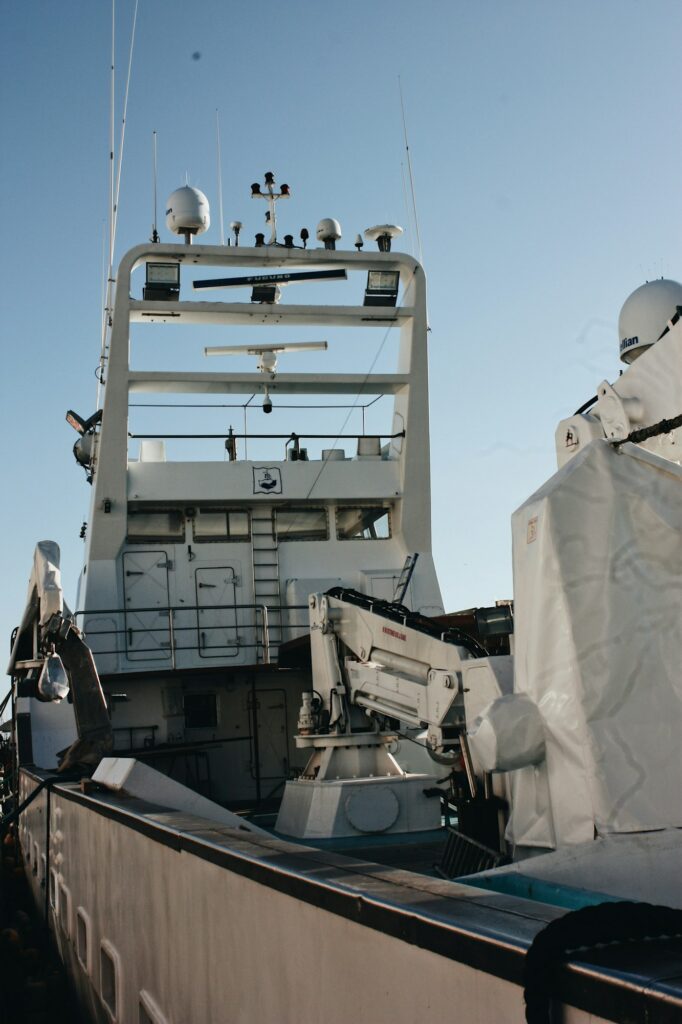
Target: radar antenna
(267,358)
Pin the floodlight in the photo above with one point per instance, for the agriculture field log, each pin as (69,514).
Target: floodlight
(382,288)
(162,282)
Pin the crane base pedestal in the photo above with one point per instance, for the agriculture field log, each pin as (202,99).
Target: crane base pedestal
(336,808)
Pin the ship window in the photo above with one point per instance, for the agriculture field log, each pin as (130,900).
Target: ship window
(301,524)
(201,710)
(108,978)
(149,1013)
(82,938)
(64,915)
(359,523)
(156,525)
(211,525)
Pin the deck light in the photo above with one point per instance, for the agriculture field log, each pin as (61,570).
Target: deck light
(305,235)
(162,282)
(255,189)
(270,178)
(75,421)
(236,226)
(260,239)
(284,190)
(382,288)
(289,241)
(265,293)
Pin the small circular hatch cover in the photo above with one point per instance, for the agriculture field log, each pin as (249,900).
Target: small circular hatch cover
(372,808)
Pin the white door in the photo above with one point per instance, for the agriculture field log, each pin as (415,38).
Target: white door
(147,623)
(216,612)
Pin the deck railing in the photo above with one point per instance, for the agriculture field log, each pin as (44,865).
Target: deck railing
(136,633)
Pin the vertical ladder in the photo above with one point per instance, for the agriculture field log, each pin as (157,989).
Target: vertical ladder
(404,578)
(266,583)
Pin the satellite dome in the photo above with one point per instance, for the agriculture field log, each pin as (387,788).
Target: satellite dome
(328,230)
(187,211)
(645,314)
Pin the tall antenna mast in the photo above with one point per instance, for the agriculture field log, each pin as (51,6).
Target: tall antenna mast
(112,99)
(106,311)
(123,129)
(409,170)
(114,182)
(220,179)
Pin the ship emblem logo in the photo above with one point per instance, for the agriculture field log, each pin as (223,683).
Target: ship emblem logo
(267,480)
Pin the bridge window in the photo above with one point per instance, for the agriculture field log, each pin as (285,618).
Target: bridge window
(361,523)
(301,524)
(212,525)
(156,525)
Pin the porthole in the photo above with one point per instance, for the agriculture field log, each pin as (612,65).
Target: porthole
(109,978)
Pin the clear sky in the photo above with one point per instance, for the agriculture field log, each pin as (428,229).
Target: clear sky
(546,153)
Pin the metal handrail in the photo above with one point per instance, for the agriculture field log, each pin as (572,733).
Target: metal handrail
(261,610)
(266,437)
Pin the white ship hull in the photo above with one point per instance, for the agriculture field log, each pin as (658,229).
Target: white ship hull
(205,925)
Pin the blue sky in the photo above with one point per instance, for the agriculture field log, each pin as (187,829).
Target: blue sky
(546,154)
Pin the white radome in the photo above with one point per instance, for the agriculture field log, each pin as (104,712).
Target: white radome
(645,314)
(187,210)
(328,230)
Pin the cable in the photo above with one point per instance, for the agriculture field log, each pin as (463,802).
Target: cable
(662,427)
(585,406)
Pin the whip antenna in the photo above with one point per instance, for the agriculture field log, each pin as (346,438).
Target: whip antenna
(114,179)
(408,215)
(409,171)
(123,127)
(220,178)
(155,233)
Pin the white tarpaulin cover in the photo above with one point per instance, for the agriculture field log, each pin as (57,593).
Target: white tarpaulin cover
(598,634)
(45,596)
(46,579)
(508,735)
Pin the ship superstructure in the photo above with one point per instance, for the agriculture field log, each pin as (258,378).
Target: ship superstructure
(197,573)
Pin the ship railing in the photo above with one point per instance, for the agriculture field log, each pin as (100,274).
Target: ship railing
(233,628)
(292,441)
